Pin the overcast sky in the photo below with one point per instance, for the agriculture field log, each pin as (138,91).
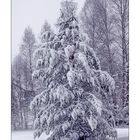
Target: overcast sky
(33,13)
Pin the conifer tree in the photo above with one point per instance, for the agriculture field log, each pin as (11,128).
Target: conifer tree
(72,105)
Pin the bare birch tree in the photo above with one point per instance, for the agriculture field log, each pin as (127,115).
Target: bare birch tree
(122,25)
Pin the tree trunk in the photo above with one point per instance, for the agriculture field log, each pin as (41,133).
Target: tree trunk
(124,55)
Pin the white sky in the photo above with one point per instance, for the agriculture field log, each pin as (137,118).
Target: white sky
(33,13)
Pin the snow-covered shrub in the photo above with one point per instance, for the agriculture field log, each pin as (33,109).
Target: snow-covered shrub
(71,106)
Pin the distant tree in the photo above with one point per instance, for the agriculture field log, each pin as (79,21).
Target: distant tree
(122,24)
(70,106)
(27,48)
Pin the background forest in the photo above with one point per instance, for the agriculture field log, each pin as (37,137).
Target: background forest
(92,45)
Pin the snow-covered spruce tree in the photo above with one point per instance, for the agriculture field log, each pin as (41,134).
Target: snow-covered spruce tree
(70,107)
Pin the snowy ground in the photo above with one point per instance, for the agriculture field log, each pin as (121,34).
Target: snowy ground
(123,134)
(28,135)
